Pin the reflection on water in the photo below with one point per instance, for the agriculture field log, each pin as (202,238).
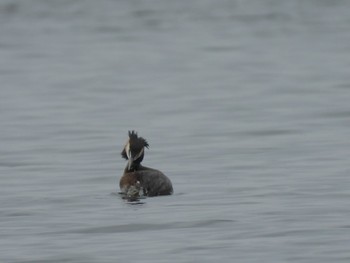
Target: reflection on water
(245,106)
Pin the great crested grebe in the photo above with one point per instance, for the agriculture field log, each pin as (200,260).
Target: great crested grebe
(136,177)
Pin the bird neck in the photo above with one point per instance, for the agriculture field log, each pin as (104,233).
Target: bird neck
(133,168)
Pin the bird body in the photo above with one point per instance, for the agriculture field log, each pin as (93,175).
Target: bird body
(138,179)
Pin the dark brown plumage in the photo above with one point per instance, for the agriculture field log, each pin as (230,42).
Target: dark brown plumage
(150,182)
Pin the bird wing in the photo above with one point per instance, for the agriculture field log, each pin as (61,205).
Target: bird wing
(155,183)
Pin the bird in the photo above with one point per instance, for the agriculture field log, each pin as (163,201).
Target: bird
(138,179)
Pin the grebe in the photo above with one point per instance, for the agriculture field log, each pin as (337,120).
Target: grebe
(136,177)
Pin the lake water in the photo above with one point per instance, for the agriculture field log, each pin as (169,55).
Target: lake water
(245,104)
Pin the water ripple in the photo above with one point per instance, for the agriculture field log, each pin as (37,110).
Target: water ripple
(150,227)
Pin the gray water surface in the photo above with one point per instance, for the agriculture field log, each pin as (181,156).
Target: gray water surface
(245,104)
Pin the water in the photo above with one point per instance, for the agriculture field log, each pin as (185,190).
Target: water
(245,105)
